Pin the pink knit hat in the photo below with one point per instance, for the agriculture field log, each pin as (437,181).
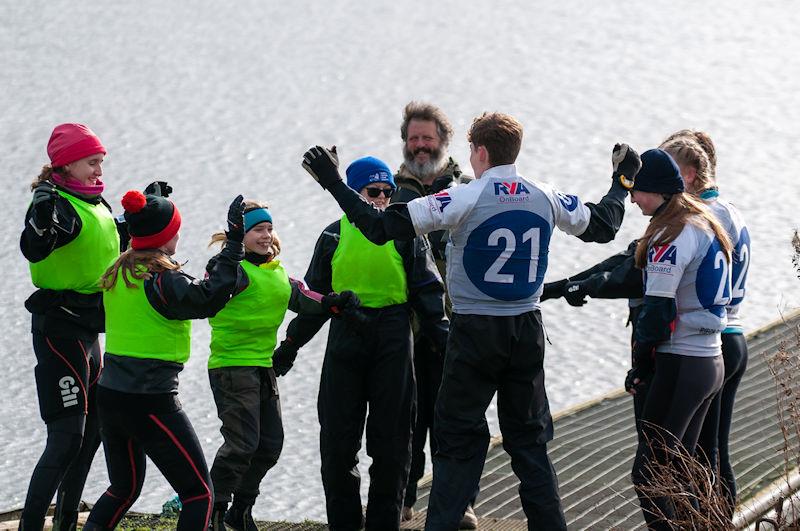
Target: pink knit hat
(71,142)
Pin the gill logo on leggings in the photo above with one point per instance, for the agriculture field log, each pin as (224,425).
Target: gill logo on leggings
(69,391)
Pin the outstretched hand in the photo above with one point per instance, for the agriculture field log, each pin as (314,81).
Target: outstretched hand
(626,163)
(323,165)
(345,304)
(44,205)
(159,188)
(553,290)
(235,232)
(575,293)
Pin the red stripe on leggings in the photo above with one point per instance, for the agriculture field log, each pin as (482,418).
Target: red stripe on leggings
(88,375)
(78,378)
(130,499)
(183,451)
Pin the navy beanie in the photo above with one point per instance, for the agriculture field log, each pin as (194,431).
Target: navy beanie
(368,170)
(659,174)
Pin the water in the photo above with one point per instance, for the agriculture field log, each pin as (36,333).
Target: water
(220,98)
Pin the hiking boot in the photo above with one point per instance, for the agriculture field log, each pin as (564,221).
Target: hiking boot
(469,520)
(406,514)
(218,517)
(240,517)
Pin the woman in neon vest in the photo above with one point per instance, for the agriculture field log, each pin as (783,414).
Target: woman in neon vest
(243,337)
(368,366)
(685,253)
(149,302)
(70,238)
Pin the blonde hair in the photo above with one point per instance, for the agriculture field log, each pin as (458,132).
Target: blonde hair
(249,204)
(688,152)
(702,138)
(137,264)
(665,226)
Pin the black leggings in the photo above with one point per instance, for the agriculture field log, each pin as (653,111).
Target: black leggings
(677,401)
(134,426)
(714,437)
(66,374)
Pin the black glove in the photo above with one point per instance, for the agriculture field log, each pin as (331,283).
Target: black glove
(43,206)
(344,304)
(575,293)
(643,367)
(553,290)
(283,357)
(626,164)
(159,188)
(323,165)
(235,232)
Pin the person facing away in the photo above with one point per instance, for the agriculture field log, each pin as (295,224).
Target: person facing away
(618,277)
(685,255)
(69,239)
(427,168)
(500,226)
(367,374)
(243,336)
(149,305)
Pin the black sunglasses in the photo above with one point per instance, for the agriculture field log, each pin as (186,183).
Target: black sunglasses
(375,192)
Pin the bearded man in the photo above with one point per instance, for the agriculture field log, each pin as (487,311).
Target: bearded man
(427,169)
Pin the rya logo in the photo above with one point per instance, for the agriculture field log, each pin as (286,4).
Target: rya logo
(69,391)
(661,254)
(443,199)
(512,188)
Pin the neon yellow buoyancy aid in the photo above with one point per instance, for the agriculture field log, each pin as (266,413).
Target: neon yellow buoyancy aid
(244,333)
(79,265)
(135,329)
(374,272)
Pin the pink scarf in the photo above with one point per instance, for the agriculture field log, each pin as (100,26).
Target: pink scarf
(74,185)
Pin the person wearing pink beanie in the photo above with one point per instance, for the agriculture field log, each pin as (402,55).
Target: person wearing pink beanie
(69,239)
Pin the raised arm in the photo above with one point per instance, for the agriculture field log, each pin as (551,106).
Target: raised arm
(606,216)
(377,226)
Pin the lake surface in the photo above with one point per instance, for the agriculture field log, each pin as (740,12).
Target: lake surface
(223,98)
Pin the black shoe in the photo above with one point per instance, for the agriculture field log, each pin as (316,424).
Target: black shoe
(218,517)
(240,517)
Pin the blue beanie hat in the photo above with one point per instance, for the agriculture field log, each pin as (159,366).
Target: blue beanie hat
(659,174)
(368,170)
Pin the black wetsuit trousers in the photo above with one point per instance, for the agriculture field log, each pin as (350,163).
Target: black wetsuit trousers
(66,373)
(488,355)
(137,425)
(677,401)
(713,442)
(428,372)
(367,367)
(250,410)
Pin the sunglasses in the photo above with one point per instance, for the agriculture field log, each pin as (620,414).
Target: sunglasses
(375,192)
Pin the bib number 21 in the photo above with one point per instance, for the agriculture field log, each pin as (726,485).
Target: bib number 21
(506,256)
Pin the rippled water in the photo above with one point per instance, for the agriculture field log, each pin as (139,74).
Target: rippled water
(221,98)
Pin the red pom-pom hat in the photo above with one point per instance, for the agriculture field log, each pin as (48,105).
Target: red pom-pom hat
(152,220)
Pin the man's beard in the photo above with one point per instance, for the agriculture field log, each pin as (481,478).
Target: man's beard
(437,160)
